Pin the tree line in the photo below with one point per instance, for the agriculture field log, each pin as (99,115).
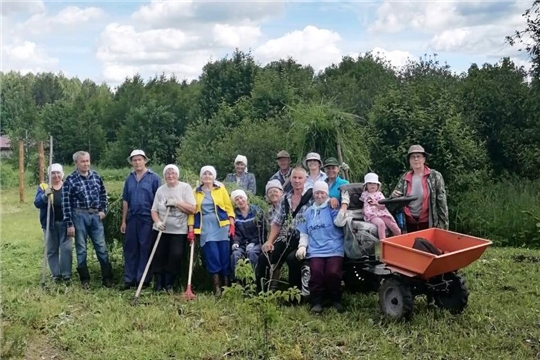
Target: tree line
(480,124)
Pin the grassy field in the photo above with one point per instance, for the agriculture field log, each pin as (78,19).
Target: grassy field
(60,322)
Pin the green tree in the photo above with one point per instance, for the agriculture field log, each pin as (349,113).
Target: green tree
(494,100)
(226,80)
(353,84)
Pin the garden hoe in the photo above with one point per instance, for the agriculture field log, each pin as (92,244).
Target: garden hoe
(189,295)
(138,293)
(48,225)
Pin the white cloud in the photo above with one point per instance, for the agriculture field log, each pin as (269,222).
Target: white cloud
(26,56)
(124,43)
(192,13)
(397,58)
(70,16)
(22,7)
(236,36)
(314,46)
(486,39)
(393,17)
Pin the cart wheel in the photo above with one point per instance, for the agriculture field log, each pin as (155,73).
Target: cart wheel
(457,297)
(395,299)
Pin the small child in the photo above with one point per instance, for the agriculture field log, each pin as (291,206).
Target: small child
(374,212)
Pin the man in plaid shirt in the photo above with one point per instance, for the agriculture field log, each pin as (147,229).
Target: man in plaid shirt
(84,203)
(283,238)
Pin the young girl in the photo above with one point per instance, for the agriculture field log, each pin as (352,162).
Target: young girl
(374,212)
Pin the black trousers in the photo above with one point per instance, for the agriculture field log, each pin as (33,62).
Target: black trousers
(169,253)
(282,252)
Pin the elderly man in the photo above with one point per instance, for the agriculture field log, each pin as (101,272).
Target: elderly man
(84,202)
(284,173)
(138,196)
(283,238)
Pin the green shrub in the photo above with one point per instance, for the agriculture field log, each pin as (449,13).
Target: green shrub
(506,212)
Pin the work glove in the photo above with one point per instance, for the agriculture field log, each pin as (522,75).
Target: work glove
(47,191)
(160,225)
(231,230)
(301,253)
(171,203)
(191,237)
(235,246)
(344,166)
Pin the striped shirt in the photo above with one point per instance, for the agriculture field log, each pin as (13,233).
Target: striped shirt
(83,192)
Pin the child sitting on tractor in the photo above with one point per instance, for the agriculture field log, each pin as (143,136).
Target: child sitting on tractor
(374,212)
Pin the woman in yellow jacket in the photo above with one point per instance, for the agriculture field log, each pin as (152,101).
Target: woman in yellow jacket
(214,223)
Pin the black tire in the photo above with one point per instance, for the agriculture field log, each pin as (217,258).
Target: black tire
(395,299)
(457,297)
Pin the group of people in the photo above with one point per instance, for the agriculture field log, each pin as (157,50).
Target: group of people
(302,227)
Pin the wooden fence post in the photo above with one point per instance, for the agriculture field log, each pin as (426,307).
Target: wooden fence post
(21,171)
(41,159)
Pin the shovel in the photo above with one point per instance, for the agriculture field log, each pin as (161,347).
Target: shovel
(139,288)
(189,295)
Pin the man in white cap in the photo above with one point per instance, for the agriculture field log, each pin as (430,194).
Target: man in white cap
(241,177)
(138,196)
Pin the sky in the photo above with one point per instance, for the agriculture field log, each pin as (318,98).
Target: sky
(108,41)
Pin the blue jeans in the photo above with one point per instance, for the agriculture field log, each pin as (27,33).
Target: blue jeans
(89,225)
(59,250)
(252,252)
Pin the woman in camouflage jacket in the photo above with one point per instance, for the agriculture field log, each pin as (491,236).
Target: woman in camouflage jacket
(430,209)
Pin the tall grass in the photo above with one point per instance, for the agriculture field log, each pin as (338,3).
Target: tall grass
(506,212)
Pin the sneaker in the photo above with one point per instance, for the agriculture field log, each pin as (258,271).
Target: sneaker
(317,309)
(337,305)
(85,285)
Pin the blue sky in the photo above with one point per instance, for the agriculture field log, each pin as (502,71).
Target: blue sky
(107,41)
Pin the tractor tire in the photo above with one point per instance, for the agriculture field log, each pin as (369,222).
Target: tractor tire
(457,297)
(395,299)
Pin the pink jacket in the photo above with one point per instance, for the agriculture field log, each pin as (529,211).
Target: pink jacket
(372,211)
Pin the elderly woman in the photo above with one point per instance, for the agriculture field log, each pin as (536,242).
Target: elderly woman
(59,245)
(214,222)
(321,241)
(274,191)
(430,209)
(241,177)
(314,165)
(178,197)
(250,230)
(334,181)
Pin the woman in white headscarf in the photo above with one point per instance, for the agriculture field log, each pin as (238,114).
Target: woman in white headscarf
(59,245)
(178,197)
(241,177)
(214,222)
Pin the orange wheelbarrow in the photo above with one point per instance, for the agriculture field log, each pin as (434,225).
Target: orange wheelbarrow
(404,272)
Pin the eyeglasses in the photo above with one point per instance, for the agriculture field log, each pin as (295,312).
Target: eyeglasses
(416,157)
(273,192)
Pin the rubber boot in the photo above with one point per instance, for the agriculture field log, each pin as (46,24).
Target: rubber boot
(226,281)
(84,275)
(316,304)
(217,285)
(159,282)
(169,281)
(106,272)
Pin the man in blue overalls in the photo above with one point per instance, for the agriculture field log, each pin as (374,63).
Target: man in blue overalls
(139,191)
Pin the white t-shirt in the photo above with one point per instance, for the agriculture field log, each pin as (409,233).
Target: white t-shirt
(177,220)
